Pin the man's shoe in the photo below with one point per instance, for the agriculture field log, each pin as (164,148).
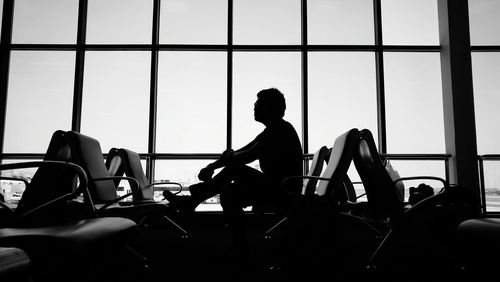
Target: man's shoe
(183,204)
(203,191)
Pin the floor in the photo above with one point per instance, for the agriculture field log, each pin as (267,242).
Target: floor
(206,256)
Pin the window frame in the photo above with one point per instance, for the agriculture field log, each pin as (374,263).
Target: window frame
(81,47)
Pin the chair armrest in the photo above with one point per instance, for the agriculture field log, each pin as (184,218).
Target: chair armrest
(445,183)
(81,188)
(287,179)
(6,207)
(166,183)
(26,182)
(358,183)
(134,186)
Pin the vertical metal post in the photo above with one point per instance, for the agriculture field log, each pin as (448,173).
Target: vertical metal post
(229,86)
(379,71)
(153,90)
(5,41)
(79,65)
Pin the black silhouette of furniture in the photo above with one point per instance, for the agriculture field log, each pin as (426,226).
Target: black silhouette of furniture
(412,238)
(86,152)
(55,227)
(132,167)
(15,265)
(315,169)
(314,228)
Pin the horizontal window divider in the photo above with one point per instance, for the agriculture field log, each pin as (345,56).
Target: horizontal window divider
(194,156)
(495,48)
(44,47)
(187,156)
(411,48)
(22,156)
(489,157)
(239,48)
(416,156)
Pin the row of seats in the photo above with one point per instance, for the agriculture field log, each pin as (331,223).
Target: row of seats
(328,231)
(63,226)
(71,209)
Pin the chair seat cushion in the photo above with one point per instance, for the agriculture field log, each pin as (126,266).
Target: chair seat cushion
(81,235)
(13,262)
(478,243)
(137,211)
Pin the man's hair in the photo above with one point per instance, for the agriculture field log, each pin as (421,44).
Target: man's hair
(274,99)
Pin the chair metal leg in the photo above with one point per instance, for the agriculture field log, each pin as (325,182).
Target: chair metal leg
(137,255)
(142,222)
(267,235)
(184,232)
(371,264)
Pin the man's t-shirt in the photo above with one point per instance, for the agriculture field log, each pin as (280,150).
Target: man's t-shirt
(281,154)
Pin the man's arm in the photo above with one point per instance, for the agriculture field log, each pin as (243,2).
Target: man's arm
(245,154)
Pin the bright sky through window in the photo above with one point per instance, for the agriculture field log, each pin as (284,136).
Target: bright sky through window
(193,109)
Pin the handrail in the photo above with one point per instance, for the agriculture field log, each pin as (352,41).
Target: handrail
(416,156)
(482,186)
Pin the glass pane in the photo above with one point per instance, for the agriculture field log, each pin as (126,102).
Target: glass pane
(39,100)
(345,22)
(185,172)
(1,13)
(119,21)
(11,189)
(413,22)
(192,103)
(492,185)
(484,22)
(485,73)
(124,187)
(342,87)
(414,104)
(266,22)
(193,22)
(253,72)
(115,106)
(47,21)
(409,168)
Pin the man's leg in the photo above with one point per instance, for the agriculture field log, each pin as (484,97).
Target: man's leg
(208,189)
(244,190)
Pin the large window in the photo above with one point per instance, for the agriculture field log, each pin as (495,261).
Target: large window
(191,102)
(176,80)
(414,107)
(115,107)
(254,71)
(48,21)
(342,95)
(484,18)
(40,99)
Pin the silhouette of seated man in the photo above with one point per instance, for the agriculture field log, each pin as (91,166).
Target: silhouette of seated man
(279,152)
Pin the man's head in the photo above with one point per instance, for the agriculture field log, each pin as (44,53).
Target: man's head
(270,105)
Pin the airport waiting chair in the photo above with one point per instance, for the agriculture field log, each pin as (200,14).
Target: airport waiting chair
(114,165)
(51,223)
(132,167)
(413,238)
(15,265)
(315,169)
(86,152)
(314,229)
(477,245)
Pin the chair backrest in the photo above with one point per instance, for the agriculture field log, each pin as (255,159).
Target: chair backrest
(315,169)
(338,163)
(49,182)
(86,152)
(381,193)
(114,163)
(132,166)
